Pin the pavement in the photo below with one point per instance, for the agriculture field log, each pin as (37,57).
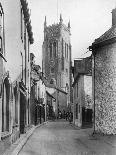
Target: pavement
(16,147)
(62,138)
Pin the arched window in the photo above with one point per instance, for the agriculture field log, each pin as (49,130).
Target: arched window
(54,49)
(65,51)
(50,50)
(52,81)
(52,70)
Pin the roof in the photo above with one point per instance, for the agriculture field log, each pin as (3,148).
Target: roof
(111,33)
(82,67)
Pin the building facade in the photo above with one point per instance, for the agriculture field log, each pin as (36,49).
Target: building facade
(16,37)
(104,80)
(37,94)
(82,92)
(56,60)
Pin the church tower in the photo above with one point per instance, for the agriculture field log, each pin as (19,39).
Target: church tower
(56,55)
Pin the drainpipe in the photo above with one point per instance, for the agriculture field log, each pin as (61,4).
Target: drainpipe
(93,85)
(93,58)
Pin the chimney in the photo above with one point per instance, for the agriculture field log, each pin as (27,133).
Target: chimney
(114,17)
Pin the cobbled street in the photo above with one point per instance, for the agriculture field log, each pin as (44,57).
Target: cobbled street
(62,138)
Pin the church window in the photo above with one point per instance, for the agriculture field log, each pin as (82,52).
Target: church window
(52,70)
(54,49)
(62,54)
(51,81)
(66,71)
(50,50)
(62,46)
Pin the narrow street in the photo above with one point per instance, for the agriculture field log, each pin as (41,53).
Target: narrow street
(62,138)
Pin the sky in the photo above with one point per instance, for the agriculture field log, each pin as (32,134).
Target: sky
(89,19)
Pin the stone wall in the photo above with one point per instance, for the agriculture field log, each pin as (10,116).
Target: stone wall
(105,89)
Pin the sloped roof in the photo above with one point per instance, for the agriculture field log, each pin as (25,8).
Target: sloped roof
(110,34)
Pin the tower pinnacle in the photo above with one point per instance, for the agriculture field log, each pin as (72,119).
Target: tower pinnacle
(61,20)
(69,24)
(45,23)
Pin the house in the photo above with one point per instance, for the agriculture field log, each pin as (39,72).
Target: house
(15,39)
(37,94)
(104,80)
(82,92)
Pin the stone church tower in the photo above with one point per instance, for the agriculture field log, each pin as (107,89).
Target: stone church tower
(56,60)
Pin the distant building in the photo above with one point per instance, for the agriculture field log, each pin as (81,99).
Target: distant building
(104,79)
(82,92)
(35,72)
(56,57)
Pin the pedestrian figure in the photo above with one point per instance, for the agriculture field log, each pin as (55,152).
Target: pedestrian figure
(70,117)
(67,115)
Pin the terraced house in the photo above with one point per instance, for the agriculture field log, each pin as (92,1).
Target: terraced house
(15,39)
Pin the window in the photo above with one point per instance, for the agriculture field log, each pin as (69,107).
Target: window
(77,89)
(16,103)
(54,49)
(52,70)
(21,24)
(77,111)
(51,81)
(62,54)
(1,50)
(62,46)
(50,50)
(65,50)
(2,36)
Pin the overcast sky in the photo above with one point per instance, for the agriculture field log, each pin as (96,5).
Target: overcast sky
(89,19)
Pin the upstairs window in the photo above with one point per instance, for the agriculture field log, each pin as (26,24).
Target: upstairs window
(2,36)
(22,25)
